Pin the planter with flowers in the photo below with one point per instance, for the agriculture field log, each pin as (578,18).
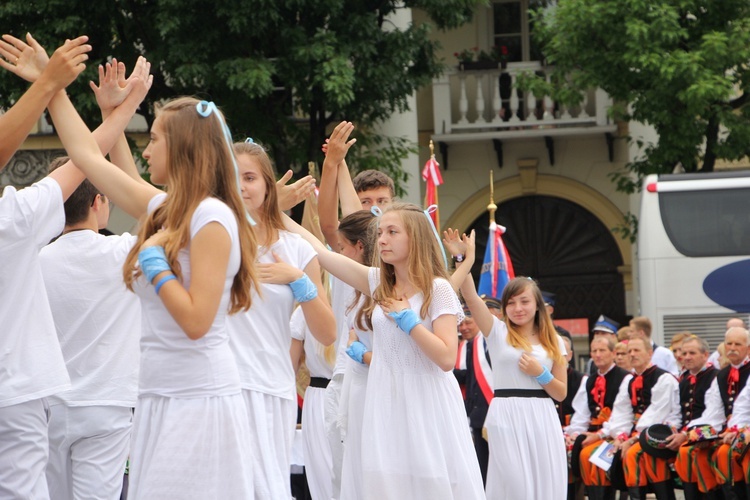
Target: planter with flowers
(474,59)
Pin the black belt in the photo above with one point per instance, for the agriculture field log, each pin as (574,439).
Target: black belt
(319,382)
(521,393)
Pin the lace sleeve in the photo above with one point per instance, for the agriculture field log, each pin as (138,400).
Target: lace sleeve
(445,301)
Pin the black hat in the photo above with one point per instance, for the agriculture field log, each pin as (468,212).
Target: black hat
(491,302)
(653,441)
(605,324)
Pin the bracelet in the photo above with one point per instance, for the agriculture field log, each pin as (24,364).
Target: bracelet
(357,351)
(545,377)
(160,283)
(459,258)
(304,289)
(153,261)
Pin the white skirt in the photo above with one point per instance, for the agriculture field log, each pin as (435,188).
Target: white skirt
(272,423)
(190,448)
(351,415)
(316,446)
(527,450)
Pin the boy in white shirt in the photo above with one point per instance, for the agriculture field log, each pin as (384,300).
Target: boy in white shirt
(31,364)
(98,325)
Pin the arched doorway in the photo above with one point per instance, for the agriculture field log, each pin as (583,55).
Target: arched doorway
(567,249)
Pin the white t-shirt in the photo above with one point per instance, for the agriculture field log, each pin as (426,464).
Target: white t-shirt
(31,363)
(261,336)
(98,321)
(505,371)
(315,358)
(172,364)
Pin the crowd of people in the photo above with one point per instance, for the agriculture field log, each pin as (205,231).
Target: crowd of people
(173,351)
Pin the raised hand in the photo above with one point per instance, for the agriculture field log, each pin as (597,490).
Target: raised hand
(453,242)
(291,195)
(470,245)
(339,143)
(66,63)
(25,59)
(114,88)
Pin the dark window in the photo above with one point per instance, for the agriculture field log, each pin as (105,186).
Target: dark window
(707,223)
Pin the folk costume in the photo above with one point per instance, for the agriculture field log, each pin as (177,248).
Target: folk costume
(652,398)
(720,400)
(693,462)
(593,408)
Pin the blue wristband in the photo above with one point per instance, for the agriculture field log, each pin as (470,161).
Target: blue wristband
(406,319)
(357,351)
(545,377)
(303,289)
(160,283)
(153,261)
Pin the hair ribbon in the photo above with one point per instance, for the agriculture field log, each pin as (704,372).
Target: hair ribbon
(205,109)
(427,212)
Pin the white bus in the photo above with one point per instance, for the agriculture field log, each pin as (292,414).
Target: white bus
(694,253)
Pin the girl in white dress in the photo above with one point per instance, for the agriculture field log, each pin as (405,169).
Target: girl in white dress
(356,234)
(415,443)
(261,336)
(191,266)
(527,448)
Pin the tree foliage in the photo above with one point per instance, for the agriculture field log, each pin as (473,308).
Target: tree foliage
(682,66)
(281,70)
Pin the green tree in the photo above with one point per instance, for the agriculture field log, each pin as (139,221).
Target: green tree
(281,70)
(678,65)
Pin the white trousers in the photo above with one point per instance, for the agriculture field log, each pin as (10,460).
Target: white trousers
(317,450)
(23,450)
(88,448)
(333,430)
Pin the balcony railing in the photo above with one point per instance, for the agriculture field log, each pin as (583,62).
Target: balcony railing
(490,101)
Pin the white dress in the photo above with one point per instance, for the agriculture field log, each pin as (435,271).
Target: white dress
(190,430)
(260,339)
(527,448)
(415,442)
(351,415)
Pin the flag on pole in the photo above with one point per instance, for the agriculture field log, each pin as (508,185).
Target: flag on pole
(431,174)
(497,269)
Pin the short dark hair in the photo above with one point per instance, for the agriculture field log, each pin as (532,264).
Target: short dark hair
(373,179)
(79,203)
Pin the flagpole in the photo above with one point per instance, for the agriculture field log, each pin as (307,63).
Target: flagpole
(491,208)
(437,212)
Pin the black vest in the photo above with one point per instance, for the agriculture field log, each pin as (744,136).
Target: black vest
(643,398)
(692,396)
(614,379)
(564,408)
(727,398)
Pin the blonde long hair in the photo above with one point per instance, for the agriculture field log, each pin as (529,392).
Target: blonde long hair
(425,261)
(270,215)
(542,320)
(199,165)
